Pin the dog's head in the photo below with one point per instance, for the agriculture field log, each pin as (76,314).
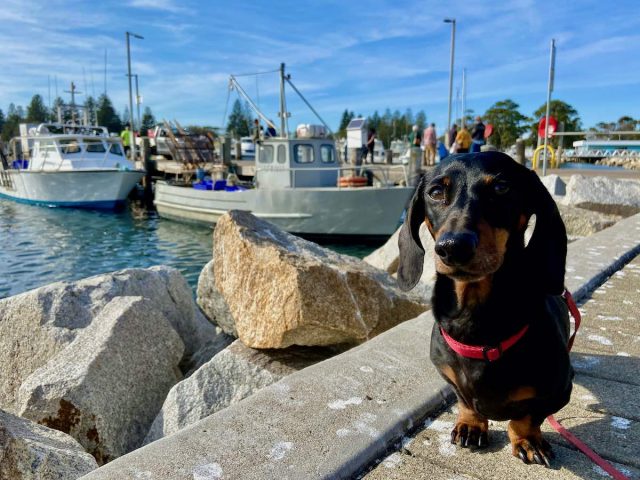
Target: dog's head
(477,207)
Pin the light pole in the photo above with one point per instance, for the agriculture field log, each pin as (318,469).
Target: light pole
(452,21)
(138,102)
(132,137)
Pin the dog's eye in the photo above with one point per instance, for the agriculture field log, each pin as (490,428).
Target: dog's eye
(436,193)
(500,188)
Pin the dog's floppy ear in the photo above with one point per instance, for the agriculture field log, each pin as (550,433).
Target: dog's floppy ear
(547,249)
(411,260)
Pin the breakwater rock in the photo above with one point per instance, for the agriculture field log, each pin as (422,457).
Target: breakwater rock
(282,290)
(230,376)
(603,194)
(32,452)
(106,387)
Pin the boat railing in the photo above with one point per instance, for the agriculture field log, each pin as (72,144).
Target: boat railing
(343,171)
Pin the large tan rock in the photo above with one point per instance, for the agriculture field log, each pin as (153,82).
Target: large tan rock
(282,290)
(29,451)
(582,223)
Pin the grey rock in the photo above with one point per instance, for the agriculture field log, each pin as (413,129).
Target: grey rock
(233,374)
(36,325)
(29,451)
(603,194)
(212,301)
(208,351)
(581,223)
(386,258)
(554,184)
(107,386)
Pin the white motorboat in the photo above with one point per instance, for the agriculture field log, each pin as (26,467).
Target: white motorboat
(299,186)
(65,165)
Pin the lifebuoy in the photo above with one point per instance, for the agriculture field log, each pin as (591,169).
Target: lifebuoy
(354,181)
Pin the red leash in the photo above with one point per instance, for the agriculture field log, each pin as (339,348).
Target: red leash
(571,438)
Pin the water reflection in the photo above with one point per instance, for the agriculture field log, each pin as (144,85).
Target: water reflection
(40,245)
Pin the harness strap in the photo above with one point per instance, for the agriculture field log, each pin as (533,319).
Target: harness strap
(570,437)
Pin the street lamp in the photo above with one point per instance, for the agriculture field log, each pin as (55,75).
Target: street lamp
(452,21)
(133,143)
(138,101)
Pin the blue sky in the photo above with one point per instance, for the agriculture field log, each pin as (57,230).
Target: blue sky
(363,56)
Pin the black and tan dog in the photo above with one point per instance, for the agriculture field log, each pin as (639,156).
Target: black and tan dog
(501,331)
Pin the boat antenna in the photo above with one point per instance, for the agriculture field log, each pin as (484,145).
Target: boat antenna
(105,72)
(288,79)
(284,127)
(49,87)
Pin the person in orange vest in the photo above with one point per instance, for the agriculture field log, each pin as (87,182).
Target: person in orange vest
(463,139)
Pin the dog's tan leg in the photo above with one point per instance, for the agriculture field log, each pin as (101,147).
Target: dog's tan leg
(471,429)
(527,442)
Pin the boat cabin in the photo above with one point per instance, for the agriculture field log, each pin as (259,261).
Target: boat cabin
(296,163)
(59,147)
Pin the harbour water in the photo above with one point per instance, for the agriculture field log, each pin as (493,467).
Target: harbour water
(40,245)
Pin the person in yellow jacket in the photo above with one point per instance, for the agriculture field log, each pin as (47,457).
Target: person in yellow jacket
(125,135)
(463,139)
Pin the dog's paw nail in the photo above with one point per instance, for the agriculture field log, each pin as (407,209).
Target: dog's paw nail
(523,455)
(547,464)
(484,440)
(537,458)
(454,435)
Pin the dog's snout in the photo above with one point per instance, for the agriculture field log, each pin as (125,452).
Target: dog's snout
(456,248)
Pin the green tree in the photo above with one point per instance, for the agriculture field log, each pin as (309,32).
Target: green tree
(11,127)
(107,116)
(148,121)
(508,123)
(36,111)
(421,120)
(2,119)
(125,118)
(347,116)
(567,117)
(239,120)
(90,108)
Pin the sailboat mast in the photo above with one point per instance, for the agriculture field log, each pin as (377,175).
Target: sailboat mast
(284,129)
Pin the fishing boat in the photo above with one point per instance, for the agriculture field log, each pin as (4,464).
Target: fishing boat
(299,185)
(67,165)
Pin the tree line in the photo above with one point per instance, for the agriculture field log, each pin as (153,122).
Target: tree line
(508,122)
(100,112)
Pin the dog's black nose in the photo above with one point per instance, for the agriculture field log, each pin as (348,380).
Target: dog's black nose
(456,248)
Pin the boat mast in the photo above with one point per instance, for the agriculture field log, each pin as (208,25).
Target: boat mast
(284,127)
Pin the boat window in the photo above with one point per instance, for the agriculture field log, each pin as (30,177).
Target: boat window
(303,153)
(69,147)
(282,154)
(266,154)
(95,147)
(327,154)
(115,149)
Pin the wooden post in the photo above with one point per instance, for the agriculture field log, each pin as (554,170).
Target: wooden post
(146,181)
(520,158)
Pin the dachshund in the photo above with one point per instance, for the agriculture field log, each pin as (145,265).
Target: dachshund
(502,327)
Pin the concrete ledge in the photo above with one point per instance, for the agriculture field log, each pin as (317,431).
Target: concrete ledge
(334,418)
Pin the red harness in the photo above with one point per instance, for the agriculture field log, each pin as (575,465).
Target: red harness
(491,354)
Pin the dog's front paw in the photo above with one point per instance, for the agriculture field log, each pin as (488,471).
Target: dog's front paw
(471,429)
(467,435)
(527,442)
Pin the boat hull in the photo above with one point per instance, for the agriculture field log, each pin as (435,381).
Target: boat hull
(314,212)
(99,189)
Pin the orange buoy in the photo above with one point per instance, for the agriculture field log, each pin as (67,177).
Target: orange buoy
(353,181)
